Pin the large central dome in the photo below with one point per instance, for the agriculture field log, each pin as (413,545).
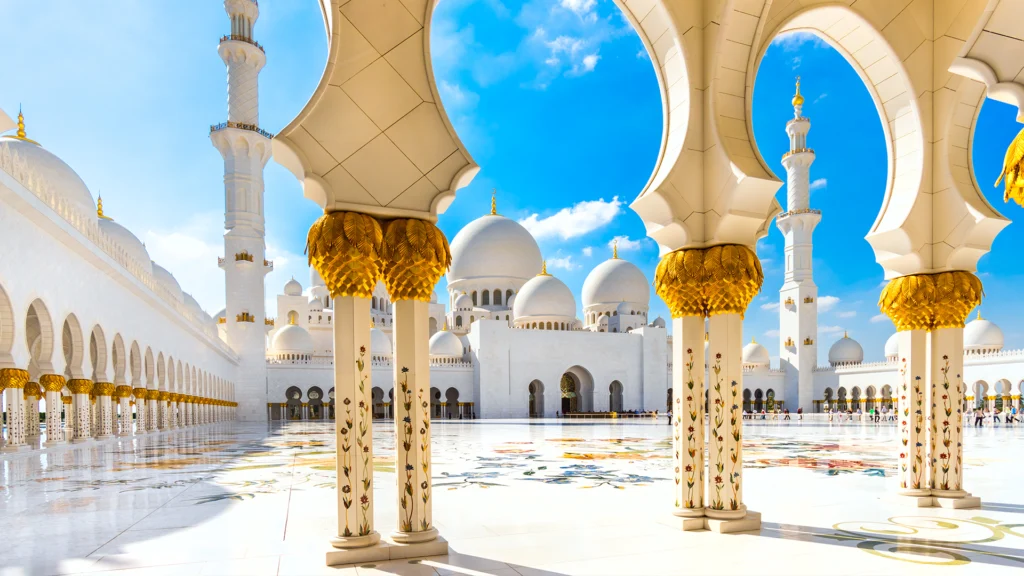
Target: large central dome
(494,247)
(614,281)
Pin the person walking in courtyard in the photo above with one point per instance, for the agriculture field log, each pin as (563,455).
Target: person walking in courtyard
(799,413)
(978,417)
(1011,417)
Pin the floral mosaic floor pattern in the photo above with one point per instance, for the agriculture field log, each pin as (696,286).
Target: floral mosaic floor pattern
(511,497)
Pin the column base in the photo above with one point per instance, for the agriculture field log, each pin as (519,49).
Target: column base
(104,436)
(749,522)
(11,449)
(940,501)
(80,440)
(689,512)
(50,443)
(414,537)
(387,549)
(350,542)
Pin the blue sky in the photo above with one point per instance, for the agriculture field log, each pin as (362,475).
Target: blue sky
(555,99)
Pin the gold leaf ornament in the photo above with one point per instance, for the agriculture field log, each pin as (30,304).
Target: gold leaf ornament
(931,301)
(416,254)
(1013,171)
(344,248)
(708,281)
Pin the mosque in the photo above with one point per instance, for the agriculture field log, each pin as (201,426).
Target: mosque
(94,331)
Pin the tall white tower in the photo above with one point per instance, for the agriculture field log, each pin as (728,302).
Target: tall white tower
(246,150)
(798,312)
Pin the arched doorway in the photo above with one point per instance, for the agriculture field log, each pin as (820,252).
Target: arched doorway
(577,384)
(435,403)
(330,404)
(758,400)
(828,404)
(842,404)
(536,389)
(293,397)
(887,397)
(377,396)
(570,396)
(980,392)
(746,400)
(615,396)
(315,404)
(452,408)
(770,400)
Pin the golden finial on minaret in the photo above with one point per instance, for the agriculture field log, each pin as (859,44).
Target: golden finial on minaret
(615,249)
(846,334)
(798,99)
(494,203)
(544,269)
(99,209)
(979,312)
(753,340)
(20,134)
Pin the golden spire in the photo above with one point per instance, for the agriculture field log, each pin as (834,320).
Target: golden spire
(798,100)
(544,269)
(615,249)
(753,340)
(494,203)
(979,312)
(99,209)
(846,334)
(20,134)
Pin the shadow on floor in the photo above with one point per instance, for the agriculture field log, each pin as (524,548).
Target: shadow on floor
(1002,507)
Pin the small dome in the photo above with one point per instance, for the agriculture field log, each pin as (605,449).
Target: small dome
(616,280)
(166,279)
(292,339)
(756,354)
(511,302)
(464,302)
(982,335)
(659,322)
(624,309)
(128,242)
(194,305)
(445,344)
(380,344)
(315,305)
(892,346)
(494,247)
(846,350)
(545,295)
(46,167)
(293,288)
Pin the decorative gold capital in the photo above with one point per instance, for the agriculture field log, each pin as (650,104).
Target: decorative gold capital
(80,386)
(52,382)
(140,393)
(1013,170)
(124,391)
(65,399)
(165,396)
(709,281)
(931,301)
(344,248)
(415,254)
(104,388)
(33,390)
(13,378)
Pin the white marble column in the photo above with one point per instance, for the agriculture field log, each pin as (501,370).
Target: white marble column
(80,408)
(165,410)
(12,382)
(947,366)
(141,412)
(104,391)
(353,426)
(912,413)
(179,410)
(124,400)
(688,415)
(32,392)
(153,407)
(725,423)
(70,425)
(52,385)
(412,422)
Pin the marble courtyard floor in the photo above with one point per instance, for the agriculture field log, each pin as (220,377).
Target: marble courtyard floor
(512,498)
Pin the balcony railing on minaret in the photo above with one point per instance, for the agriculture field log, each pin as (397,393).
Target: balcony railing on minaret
(241,126)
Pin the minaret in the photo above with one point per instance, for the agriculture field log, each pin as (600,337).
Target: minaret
(798,312)
(246,150)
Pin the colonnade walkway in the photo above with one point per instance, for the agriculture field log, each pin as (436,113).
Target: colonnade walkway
(518,497)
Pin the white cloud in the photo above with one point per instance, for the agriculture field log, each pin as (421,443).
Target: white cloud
(581,218)
(564,45)
(826,303)
(829,329)
(189,252)
(642,54)
(792,41)
(625,244)
(772,333)
(821,97)
(587,65)
(847,314)
(877,318)
(588,251)
(456,97)
(818,184)
(770,306)
(564,263)
(581,8)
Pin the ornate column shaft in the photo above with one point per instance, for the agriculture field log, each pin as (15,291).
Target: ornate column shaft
(911,412)
(947,446)
(179,410)
(80,408)
(104,392)
(32,394)
(725,423)
(69,417)
(344,248)
(124,400)
(140,409)
(153,410)
(165,410)
(12,382)
(688,414)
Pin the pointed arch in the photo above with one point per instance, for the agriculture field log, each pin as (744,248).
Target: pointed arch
(119,360)
(98,354)
(151,382)
(135,365)
(74,348)
(7,330)
(39,337)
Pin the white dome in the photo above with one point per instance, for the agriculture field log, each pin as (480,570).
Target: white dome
(616,280)
(892,346)
(545,295)
(380,344)
(659,322)
(128,242)
(46,167)
(846,350)
(463,302)
(293,288)
(981,334)
(494,247)
(292,339)
(194,305)
(755,353)
(445,344)
(166,279)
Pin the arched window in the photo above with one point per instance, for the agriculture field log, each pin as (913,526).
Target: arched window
(458,321)
(508,295)
(506,316)
(374,303)
(549,325)
(293,317)
(485,298)
(497,297)
(474,297)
